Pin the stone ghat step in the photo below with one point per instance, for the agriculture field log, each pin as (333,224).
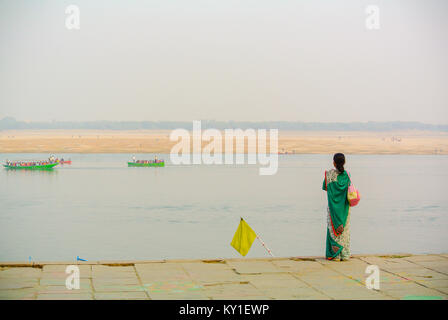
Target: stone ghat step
(400,276)
(211,260)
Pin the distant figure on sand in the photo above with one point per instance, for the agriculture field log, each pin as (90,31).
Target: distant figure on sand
(336,183)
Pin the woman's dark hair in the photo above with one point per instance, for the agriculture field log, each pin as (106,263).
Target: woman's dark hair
(339,160)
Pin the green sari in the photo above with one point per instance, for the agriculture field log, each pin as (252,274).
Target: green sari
(338,214)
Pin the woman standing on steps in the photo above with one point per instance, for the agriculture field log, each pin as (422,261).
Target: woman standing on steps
(336,183)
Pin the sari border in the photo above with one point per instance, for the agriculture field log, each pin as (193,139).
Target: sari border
(332,225)
(326,180)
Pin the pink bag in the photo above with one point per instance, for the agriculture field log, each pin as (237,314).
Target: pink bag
(352,194)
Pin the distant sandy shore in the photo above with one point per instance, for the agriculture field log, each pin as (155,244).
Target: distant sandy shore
(152,141)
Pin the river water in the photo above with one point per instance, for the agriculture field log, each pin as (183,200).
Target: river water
(98,208)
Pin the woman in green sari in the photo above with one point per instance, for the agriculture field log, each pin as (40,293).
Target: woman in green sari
(336,183)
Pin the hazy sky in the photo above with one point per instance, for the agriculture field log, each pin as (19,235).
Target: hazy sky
(240,60)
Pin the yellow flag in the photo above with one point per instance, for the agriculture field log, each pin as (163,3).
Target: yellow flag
(243,238)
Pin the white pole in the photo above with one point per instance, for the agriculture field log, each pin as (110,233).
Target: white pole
(264,245)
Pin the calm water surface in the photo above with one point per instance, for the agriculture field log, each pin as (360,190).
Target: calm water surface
(97,208)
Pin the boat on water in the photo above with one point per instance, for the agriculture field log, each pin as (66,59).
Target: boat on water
(60,161)
(65,161)
(146,163)
(30,165)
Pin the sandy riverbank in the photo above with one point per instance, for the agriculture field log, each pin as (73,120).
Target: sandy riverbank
(151,141)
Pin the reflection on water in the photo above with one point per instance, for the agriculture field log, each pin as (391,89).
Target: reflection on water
(30,171)
(98,208)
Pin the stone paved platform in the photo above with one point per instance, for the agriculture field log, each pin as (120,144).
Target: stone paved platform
(401,277)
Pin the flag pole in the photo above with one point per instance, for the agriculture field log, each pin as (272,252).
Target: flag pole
(264,245)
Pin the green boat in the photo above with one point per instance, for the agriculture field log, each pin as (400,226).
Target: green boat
(146,164)
(37,167)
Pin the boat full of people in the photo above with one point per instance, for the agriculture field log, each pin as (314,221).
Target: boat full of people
(146,163)
(30,164)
